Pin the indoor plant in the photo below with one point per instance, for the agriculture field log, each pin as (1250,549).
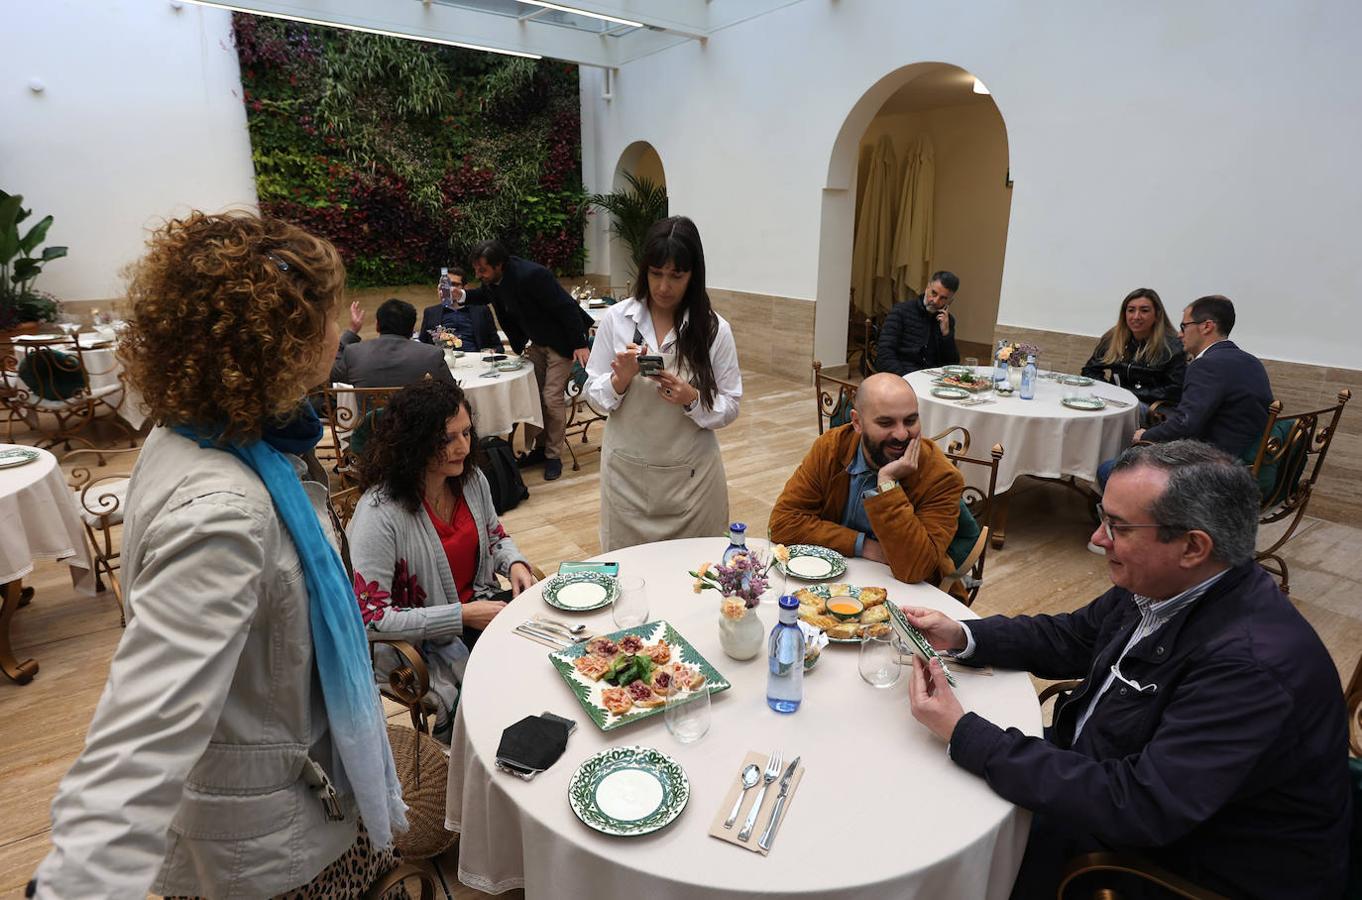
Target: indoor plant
(19,266)
(633,211)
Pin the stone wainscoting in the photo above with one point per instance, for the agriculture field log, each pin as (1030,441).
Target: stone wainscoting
(774,334)
(1299,386)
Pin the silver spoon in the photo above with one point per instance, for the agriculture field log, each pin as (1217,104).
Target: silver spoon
(751,774)
(573,630)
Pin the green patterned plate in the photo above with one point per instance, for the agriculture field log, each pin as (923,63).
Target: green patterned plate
(17,456)
(581,591)
(628,791)
(511,365)
(809,562)
(916,640)
(950,393)
(588,692)
(1074,380)
(1089,403)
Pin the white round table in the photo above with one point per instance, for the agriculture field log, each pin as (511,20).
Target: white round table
(905,820)
(499,402)
(42,521)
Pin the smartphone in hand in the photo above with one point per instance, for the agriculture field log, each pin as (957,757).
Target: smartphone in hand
(649,365)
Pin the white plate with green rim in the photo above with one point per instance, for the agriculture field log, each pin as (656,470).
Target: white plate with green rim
(810,562)
(510,365)
(1091,404)
(17,456)
(916,640)
(1074,380)
(628,791)
(581,591)
(950,393)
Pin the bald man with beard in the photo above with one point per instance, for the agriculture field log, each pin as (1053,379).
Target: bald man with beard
(874,488)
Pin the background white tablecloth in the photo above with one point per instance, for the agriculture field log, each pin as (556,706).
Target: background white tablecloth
(881,812)
(1040,436)
(498,403)
(40,521)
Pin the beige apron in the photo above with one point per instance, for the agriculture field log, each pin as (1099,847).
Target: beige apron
(661,474)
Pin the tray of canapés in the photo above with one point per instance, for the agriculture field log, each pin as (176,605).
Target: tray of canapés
(964,378)
(845,612)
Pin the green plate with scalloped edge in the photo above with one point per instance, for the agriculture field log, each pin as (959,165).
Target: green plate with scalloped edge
(628,791)
(581,591)
(809,562)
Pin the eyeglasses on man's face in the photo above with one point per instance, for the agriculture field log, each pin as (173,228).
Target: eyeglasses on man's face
(1111,529)
(1185,325)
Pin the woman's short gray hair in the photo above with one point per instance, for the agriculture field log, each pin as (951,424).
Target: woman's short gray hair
(1208,490)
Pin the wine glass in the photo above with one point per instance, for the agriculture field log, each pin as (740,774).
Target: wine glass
(879,662)
(631,606)
(687,712)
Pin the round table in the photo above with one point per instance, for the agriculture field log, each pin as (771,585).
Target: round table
(104,371)
(41,521)
(878,785)
(500,402)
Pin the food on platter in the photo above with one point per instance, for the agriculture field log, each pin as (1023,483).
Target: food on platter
(603,646)
(688,675)
(875,614)
(631,643)
(617,700)
(845,607)
(592,666)
(848,611)
(819,621)
(965,381)
(873,596)
(643,695)
(660,653)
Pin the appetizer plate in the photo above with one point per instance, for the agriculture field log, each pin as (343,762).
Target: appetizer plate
(581,591)
(831,593)
(950,393)
(812,563)
(916,640)
(957,371)
(510,365)
(17,456)
(1088,403)
(627,791)
(1075,380)
(589,692)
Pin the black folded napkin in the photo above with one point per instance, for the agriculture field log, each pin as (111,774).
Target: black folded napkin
(533,744)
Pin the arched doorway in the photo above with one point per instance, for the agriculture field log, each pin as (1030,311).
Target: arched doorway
(931,105)
(641,160)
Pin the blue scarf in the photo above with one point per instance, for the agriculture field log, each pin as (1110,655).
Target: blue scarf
(339,645)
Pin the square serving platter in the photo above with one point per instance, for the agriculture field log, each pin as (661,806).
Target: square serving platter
(588,692)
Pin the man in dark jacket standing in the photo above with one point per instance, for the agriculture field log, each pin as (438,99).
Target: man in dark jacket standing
(534,310)
(1209,733)
(920,333)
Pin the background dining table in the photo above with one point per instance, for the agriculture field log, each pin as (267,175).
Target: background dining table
(103,370)
(1041,437)
(881,811)
(501,401)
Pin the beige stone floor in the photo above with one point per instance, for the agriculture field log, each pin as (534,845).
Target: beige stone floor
(1044,568)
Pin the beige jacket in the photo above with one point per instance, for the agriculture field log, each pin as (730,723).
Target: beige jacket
(193,779)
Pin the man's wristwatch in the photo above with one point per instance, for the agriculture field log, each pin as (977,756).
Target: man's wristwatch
(886,486)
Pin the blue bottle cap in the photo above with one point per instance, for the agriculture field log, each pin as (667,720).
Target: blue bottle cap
(737,526)
(789,601)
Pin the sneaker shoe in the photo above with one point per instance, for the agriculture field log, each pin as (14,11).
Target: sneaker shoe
(553,468)
(1093,548)
(533,458)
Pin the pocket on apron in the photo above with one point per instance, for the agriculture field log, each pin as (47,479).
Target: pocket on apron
(641,487)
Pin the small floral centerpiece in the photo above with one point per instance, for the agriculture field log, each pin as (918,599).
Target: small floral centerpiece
(1014,353)
(445,339)
(740,582)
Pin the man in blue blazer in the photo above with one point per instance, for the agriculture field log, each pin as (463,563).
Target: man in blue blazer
(473,324)
(1209,733)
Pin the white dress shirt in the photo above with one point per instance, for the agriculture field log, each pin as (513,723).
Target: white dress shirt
(616,331)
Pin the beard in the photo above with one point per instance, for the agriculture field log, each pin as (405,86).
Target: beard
(879,451)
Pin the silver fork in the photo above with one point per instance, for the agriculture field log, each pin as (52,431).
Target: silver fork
(573,630)
(771,774)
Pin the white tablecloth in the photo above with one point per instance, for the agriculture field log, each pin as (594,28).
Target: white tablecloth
(40,521)
(104,370)
(880,813)
(498,403)
(1040,437)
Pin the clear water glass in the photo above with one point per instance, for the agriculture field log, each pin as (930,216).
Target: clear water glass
(687,713)
(631,607)
(973,363)
(879,662)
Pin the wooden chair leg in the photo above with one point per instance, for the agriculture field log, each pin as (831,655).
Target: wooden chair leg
(14,596)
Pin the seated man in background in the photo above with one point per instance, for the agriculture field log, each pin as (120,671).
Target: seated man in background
(874,488)
(392,359)
(1209,734)
(473,324)
(919,333)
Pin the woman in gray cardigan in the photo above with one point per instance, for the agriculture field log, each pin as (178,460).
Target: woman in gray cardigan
(425,541)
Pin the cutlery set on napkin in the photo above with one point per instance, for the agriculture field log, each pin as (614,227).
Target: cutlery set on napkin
(766,809)
(551,634)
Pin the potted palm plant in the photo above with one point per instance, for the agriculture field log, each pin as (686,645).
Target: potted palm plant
(633,211)
(21,305)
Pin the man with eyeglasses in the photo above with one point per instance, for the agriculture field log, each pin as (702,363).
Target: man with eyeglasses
(1208,734)
(919,333)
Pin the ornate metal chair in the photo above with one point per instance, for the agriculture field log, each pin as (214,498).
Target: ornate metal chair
(833,409)
(102,499)
(1287,467)
(419,869)
(968,576)
(868,359)
(348,414)
(581,415)
(52,377)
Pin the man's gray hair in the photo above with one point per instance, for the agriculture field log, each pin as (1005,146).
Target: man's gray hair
(1208,490)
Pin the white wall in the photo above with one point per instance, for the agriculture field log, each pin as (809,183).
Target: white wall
(1194,148)
(141,119)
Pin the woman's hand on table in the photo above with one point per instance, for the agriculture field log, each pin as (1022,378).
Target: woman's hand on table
(521,578)
(480,613)
(625,367)
(940,630)
(674,390)
(933,702)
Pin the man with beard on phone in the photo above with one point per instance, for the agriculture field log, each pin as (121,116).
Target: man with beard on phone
(874,488)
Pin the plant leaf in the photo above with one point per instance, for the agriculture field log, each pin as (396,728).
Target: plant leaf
(51,253)
(36,235)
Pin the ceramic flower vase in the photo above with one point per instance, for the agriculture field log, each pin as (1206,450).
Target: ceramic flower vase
(451,356)
(1014,376)
(742,638)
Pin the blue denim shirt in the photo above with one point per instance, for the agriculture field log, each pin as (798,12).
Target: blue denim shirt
(862,480)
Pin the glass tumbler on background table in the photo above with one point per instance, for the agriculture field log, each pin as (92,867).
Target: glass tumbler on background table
(631,607)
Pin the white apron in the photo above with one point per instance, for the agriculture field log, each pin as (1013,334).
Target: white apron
(661,474)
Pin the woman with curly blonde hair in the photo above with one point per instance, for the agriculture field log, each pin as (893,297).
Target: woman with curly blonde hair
(239,748)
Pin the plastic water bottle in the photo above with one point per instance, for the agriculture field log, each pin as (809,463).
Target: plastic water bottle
(785,675)
(1028,385)
(737,541)
(999,367)
(446,287)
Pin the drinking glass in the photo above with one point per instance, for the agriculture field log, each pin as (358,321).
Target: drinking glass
(972,362)
(631,607)
(879,662)
(687,713)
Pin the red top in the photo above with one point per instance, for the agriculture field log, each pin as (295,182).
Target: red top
(459,537)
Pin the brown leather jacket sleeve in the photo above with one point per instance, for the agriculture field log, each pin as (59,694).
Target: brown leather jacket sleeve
(797,517)
(916,525)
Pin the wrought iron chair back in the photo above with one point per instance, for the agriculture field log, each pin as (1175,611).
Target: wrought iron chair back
(102,500)
(969,574)
(348,415)
(834,397)
(870,341)
(51,376)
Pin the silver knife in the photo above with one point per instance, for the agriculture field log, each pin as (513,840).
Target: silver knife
(770,832)
(556,640)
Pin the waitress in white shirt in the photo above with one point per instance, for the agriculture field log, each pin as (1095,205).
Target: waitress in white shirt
(661,473)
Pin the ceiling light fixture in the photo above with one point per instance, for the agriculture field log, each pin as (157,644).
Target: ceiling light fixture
(396,34)
(979,87)
(582,12)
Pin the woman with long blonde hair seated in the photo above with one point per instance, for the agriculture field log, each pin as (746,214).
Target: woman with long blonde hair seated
(1142,352)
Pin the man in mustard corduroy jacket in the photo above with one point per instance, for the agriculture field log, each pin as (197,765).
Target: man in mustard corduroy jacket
(875,488)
